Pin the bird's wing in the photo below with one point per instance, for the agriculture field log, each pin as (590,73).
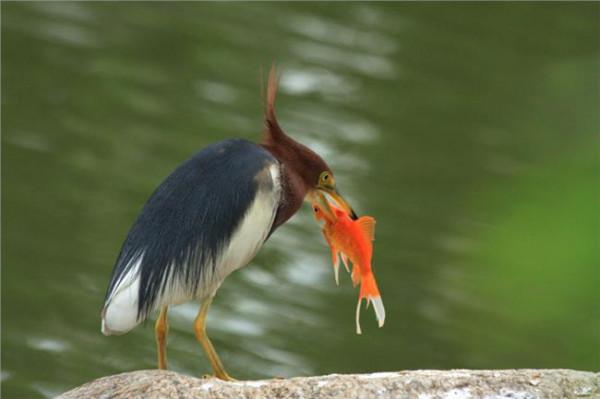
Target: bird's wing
(208,218)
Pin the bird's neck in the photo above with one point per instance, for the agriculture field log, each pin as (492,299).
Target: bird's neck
(293,187)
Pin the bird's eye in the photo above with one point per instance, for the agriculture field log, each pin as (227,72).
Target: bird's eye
(326,179)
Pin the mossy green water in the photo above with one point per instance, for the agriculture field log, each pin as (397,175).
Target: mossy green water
(470,131)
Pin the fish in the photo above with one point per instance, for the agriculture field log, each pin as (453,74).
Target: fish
(351,241)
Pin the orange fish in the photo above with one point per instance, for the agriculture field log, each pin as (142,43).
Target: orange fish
(352,240)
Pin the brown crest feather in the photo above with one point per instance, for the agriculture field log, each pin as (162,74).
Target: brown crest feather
(273,131)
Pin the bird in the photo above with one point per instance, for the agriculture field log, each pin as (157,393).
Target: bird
(208,218)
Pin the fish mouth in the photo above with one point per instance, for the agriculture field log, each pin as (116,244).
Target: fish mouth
(321,199)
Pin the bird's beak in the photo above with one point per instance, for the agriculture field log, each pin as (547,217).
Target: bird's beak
(333,193)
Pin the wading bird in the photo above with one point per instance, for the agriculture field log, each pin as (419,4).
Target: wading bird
(207,219)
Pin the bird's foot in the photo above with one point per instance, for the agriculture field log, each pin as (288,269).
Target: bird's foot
(223,377)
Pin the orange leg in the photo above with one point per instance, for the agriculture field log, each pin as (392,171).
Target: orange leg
(161,329)
(209,349)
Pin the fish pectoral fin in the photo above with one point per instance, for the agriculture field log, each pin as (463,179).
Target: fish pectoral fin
(335,260)
(355,275)
(345,261)
(367,226)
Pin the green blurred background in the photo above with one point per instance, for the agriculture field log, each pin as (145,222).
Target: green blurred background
(470,131)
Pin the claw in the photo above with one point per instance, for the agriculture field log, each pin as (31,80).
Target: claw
(223,377)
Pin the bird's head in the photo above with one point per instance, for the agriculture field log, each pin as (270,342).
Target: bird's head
(308,168)
(321,183)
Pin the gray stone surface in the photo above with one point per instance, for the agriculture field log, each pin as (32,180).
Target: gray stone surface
(419,384)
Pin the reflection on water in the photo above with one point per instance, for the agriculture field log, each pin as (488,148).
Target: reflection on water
(468,131)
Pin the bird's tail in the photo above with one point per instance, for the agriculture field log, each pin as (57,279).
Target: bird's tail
(370,292)
(120,312)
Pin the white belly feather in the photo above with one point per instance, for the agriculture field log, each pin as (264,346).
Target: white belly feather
(251,233)
(121,309)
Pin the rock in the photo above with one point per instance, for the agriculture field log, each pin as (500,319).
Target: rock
(421,384)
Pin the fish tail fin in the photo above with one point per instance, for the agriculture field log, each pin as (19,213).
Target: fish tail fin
(358,330)
(370,291)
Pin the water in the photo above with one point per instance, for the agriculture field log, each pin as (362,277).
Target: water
(469,131)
